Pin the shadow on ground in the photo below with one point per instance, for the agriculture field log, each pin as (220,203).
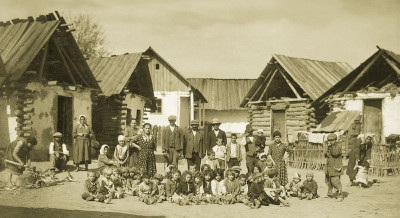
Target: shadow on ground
(8,211)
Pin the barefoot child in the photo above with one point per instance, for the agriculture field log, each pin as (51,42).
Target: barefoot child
(185,189)
(91,187)
(257,195)
(172,184)
(243,190)
(147,190)
(160,193)
(118,183)
(310,187)
(208,177)
(106,190)
(230,187)
(274,190)
(294,187)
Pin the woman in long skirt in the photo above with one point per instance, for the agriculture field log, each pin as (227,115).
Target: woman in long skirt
(147,143)
(82,135)
(277,151)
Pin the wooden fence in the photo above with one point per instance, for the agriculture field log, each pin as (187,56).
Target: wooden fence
(385,160)
(308,155)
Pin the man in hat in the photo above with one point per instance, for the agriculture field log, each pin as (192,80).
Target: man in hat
(194,145)
(214,134)
(172,141)
(251,149)
(58,153)
(333,167)
(131,133)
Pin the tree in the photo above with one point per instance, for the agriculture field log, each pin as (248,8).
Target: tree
(89,36)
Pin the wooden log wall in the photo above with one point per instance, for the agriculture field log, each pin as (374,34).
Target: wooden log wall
(24,111)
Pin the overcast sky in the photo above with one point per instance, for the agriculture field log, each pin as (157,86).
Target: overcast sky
(234,39)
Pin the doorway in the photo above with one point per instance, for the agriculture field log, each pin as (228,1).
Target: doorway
(64,119)
(372,116)
(279,123)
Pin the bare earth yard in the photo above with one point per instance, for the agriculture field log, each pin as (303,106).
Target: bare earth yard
(64,200)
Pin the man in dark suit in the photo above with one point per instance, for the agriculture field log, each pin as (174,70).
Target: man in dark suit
(172,141)
(214,134)
(194,145)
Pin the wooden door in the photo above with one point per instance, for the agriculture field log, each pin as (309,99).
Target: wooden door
(184,112)
(64,120)
(372,116)
(279,123)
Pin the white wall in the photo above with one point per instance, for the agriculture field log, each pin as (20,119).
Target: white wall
(170,106)
(135,102)
(232,120)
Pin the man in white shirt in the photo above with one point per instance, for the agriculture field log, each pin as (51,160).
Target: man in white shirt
(59,154)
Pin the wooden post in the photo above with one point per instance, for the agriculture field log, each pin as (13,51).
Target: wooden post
(199,110)
(204,114)
(363,71)
(43,62)
(191,106)
(269,83)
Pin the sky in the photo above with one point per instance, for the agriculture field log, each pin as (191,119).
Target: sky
(231,38)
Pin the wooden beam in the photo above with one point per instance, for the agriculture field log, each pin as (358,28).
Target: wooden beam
(191,106)
(259,88)
(43,62)
(363,71)
(393,65)
(287,80)
(269,83)
(65,63)
(74,66)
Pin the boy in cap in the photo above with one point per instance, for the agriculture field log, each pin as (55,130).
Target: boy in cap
(58,153)
(333,167)
(194,145)
(252,151)
(310,187)
(172,143)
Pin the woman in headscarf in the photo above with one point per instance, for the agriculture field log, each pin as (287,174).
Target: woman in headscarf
(147,143)
(360,155)
(18,155)
(121,152)
(83,135)
(276,152)
(103,160)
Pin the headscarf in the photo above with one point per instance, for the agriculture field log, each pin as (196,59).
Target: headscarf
(79,120)
(121,138)
(102,148)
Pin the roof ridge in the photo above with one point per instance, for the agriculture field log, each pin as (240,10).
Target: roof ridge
(308,59)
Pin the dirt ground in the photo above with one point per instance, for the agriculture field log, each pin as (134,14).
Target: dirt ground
(64,200)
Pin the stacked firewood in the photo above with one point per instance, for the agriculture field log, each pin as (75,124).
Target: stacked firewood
(24,111)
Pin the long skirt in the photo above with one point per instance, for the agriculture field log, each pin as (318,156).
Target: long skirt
(82,151)
(282,172)
(147,161)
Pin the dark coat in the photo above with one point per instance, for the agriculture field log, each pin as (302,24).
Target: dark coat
(361,152)
(172,139)
(238,151)
(333,157)
(186,188)
(212,139)
(190,141)
(310,187)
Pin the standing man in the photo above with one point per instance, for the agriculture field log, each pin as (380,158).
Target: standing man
(333,168)
(214,134)
(131,133)
(194,145)
(172,141)
(251,149)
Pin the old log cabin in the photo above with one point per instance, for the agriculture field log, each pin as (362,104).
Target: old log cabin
(126,89)
(280,98)
(47,84)
(175,95)
(224,97)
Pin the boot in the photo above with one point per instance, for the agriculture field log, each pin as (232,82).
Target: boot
(340,197)
(86,166)
(77,167)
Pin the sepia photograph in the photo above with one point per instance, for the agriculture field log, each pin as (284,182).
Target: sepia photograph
(212,108)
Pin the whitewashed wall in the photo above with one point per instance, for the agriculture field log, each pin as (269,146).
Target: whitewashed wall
(232,120)
(135,102)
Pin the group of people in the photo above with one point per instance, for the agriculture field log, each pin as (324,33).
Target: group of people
(214,172)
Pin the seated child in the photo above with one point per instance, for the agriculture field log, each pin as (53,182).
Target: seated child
(294,187)
(147,190)
(160,193)
(118,184)
(237,171)
(243,190)
(259,139)
(199,187)
(208,177)
(121,153)
(210,161)
(361,176)
(310,187)
(257,195)
(124,177)
(172,184)
(257,169)
(274,190)
(91,187)
(215,186)
(230,187)
(220,153)
(264,162)
(103,160)
(185,189)
(106,190)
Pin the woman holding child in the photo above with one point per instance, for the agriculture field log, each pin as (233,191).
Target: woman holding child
(276,152)
(147,143)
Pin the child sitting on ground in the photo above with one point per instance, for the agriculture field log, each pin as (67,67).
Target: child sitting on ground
(199,187)
(106,190)
(215,186)
(237,171)
(361,176)
(243,190)
(230,187)
(220,153)
(310,187)
(147,190)
(273,189)
(103,160)
(185,189)
(294,187)
(208,177)
(210,161)
(118,184)
(172,184)
(160,193)
(256,193)
(91,187)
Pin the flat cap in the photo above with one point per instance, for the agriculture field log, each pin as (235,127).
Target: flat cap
(57,134)
(332,137)
(171,117)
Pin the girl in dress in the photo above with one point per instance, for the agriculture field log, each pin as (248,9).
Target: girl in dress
(121,153)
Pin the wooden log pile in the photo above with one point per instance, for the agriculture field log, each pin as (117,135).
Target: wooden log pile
(24,111)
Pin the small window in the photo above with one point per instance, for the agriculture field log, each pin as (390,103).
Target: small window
(157,66)
(159,106)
